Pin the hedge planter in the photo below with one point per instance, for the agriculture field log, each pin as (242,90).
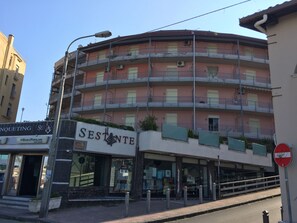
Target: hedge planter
(54,203)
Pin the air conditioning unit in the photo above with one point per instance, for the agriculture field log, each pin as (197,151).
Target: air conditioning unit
(180,63)
(120,67)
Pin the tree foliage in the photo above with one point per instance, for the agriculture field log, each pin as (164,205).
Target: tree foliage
(149,123)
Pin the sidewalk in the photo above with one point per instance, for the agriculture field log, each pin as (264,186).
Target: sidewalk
(137,210)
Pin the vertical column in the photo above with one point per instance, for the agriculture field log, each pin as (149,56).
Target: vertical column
(178,177)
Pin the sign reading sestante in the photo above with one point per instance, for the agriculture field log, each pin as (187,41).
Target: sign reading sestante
(106,140)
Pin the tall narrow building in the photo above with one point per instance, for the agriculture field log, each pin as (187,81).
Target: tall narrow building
(12,72)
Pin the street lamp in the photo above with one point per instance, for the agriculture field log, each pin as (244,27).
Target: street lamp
(53,145)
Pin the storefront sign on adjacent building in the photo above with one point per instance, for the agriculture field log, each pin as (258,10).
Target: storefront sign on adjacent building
(32,140)
(26,128)
(3,140)
(106,140)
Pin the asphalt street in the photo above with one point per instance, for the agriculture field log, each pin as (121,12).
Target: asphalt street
(248,213)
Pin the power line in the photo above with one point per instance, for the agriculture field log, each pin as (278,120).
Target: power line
(204,14)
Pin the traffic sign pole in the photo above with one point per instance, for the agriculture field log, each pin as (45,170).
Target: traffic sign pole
(283,157)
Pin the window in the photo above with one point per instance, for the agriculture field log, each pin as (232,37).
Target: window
(101,55)
(8,111)
(213,97)
(171,118)
(212,71)
(131,97)
(254,125)
(13,91)
(6,79)
(88,170)
(97,99)
(248,52)
(171,95)
(212,49)
(252,100)
(213,124)
(130,120)
(132,73)
(250,75)
(2,99)
(99,77)
(121,175)
(17,69)
(171,70)
(134,51)
(172,48)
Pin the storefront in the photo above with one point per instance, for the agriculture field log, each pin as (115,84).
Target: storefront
(23,157)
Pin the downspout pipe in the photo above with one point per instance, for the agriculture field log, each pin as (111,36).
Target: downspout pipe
(258,24)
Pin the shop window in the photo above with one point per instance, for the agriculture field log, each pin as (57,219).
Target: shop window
(159,175)
(3,166)
(213,124)
(88,170)
(121,175)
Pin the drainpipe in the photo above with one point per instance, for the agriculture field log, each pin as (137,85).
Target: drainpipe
(258,24)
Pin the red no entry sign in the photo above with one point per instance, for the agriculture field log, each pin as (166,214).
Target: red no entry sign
(282,155)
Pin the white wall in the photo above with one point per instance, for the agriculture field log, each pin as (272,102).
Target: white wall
(152,141)
(282,40)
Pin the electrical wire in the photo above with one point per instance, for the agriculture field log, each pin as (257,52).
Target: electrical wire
(204,14)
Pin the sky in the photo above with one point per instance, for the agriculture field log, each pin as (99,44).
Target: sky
(43,30)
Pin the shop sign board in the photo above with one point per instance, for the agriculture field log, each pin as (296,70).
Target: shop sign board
(32,140)
(103,139)
(282,155)
(26,128)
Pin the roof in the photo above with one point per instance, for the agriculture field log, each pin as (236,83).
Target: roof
(274,13)
(166,35)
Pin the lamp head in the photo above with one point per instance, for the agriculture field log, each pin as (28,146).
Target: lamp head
(103,34)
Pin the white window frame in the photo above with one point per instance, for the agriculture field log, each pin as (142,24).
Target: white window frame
(171,95)
(171,118)
(131,97)
(132,73)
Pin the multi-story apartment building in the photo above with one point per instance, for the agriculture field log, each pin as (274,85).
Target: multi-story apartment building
(194,79)
(12,70)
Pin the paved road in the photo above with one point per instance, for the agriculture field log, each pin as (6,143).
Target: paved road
(244,214)
(10,221)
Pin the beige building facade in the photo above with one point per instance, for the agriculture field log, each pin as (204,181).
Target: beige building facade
(279,24)
(12,70)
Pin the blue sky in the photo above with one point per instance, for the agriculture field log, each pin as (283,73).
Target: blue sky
(44,29)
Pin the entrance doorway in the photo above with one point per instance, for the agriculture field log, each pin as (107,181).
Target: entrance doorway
(24,175)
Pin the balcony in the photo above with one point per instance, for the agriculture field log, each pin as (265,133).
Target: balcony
(181,53)
(175,102)
(163,76)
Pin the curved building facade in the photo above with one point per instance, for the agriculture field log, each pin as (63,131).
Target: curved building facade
(195,79)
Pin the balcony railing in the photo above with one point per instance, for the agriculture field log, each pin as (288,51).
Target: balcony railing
(176,102)
(178,76)
(220,53)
